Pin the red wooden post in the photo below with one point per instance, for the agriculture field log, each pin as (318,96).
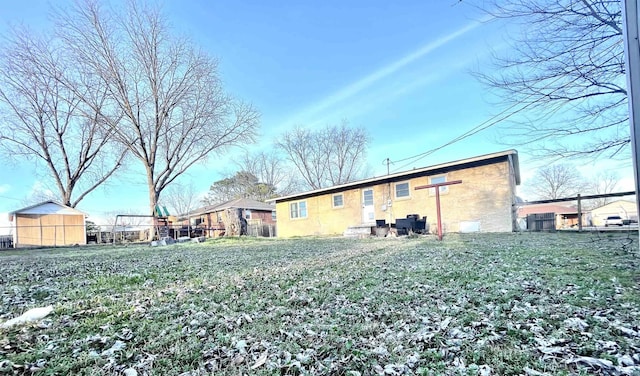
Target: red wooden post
(437,187)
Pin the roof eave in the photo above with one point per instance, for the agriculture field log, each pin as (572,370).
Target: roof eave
(43,203)
(512,154)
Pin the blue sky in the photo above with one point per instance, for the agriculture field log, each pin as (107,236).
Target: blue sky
(399,69)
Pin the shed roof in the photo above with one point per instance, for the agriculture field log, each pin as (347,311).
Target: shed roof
(546,208)
(510,155)
(48,207)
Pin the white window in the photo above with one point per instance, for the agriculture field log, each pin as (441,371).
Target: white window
(247,214)
(298,209)
(273,215)
(437,180)
(402,189)
(367,197)
(338,200)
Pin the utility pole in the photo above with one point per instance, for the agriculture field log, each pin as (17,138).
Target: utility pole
(630,21)
(388,162)
(388,204)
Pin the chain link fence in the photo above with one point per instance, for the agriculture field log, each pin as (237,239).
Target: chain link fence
(70,235)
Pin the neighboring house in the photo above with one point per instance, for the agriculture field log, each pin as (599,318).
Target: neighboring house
(211,218)
(565,216)
(485,201)
(624,208)
(48,224)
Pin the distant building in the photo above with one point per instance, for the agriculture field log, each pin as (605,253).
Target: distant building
(564,216)
(624,208)
(211,219)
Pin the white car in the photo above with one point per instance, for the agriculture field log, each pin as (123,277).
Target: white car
(613,220)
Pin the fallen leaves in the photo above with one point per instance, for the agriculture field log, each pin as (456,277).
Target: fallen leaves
(260,361)
(472,305)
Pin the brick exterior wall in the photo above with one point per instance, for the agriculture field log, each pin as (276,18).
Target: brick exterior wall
(262,217)
(214,228)
(486,196)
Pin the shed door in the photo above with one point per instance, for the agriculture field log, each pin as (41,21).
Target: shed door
(368,211)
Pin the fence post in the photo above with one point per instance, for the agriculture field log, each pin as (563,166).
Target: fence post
(579,213)
(631,24)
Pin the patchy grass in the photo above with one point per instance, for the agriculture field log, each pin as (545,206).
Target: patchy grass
(510,304)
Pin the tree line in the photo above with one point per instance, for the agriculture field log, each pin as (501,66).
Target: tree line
(563,180)
(111,87)
(301,159)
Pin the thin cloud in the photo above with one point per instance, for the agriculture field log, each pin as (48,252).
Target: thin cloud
(373,98)
(358,86)
(383,94)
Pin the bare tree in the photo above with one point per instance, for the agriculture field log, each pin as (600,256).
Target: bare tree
(308,154)
(330,156)
(181,198)
(555,181)
(272,169)
(46,121)
(175,111)
(603,183)
(565,71)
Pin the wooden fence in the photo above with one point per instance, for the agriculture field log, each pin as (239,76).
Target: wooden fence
(262,230)
(541,222)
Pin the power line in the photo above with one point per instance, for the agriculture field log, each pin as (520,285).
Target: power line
(388,162)
(479,128)
(502,115)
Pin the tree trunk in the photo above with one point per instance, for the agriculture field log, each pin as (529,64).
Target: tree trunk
(153,201)
(232,223)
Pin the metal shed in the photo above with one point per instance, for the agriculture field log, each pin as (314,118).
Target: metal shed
(48,224)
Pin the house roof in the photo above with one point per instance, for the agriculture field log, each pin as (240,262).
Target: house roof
(48,207)
(245,203)
(546,208)
(511,155)
(239,203)
(616,206)
(616,203)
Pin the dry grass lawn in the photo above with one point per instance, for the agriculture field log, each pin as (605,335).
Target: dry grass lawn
(484,304)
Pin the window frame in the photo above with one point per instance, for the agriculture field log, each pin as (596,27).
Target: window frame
(298,210)
(443,190)
(395,190)
(333,200)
